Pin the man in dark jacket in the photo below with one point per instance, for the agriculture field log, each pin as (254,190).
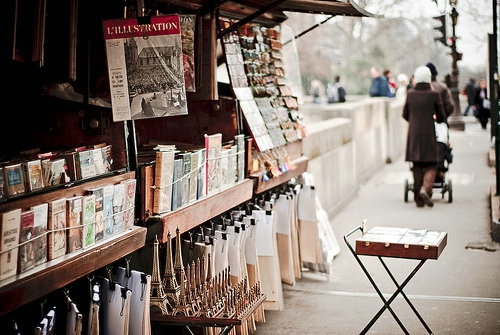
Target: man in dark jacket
(422,107)
(380,84)
(443,90)
(469,91)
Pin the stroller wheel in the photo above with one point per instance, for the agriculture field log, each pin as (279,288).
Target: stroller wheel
(407,188)
(450,192)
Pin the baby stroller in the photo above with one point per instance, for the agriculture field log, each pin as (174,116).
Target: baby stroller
(445,159)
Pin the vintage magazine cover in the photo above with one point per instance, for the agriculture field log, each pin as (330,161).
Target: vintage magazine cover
(187,30)
(145,67)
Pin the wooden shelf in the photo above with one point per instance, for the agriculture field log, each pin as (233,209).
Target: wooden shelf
(262,186)
(204,209)
(33,284)
(79,187)
(198,321)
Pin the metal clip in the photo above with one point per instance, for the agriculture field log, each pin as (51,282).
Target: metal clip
(426,247)
(367,243)
(387,244)
(407,246)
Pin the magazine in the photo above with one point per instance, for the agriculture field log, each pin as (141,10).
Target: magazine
(145,67)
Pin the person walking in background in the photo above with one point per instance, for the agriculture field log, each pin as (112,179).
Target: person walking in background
(443,90)
(314,91)
(392,84)
(379,86)
(335,92)
(422,108)
(403,86)
(469,91)
(482,104)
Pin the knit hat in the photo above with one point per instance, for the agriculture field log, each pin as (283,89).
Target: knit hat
(433,69)
(422,75)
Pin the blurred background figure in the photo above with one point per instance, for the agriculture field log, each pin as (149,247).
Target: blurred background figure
(469,91)
(380,85)
(402,86)
(392,83)
(443,90)
(335,92)
(315,90)
(482,104)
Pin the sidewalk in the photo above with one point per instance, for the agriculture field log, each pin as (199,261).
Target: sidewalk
(457,294)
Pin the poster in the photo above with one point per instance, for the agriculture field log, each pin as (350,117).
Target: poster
(145,67)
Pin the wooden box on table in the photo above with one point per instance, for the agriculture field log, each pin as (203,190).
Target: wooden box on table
(401,243)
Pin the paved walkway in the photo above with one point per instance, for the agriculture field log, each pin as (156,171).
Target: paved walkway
(457,294)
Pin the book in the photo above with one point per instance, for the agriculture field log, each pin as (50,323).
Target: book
(193,176)
(98,160)
(86,166)
(11,223)
(118,203)
(233,165)
(224,167)
(240,168)
(98,193)
(129,205)
(107,205)
(72,159)
(201,189)
(162,57)
(186,173)
(164,168)
(34,175)
(41,216)
(14,179)
(177,184)
(74,223)
(107,158)
(213,146)
(56,172)
(26,242)
(57,228)
(88,217)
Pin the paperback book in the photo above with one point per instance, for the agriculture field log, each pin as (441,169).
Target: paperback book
(129,205)
(107,205)
(118,215)
(26,242)
(186,173)
(86,166)
(34,175)
(161,62)
(98,193)
(57,228)
(213,146)
(14,179)
(240,161)
(11,222)
(88,215)
(74,223)
(177,184)
(164,168)
(41,216)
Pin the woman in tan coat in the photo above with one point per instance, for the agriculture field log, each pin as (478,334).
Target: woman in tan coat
(423,105)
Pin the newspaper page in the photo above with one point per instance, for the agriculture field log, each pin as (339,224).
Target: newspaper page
(145,67)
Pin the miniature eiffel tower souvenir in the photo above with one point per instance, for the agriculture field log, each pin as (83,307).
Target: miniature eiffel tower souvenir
(158,296)
(182,307)
(170,284)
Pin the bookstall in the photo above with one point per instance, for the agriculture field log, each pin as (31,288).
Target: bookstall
(124,126)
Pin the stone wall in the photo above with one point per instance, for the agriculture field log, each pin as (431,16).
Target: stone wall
(348,142)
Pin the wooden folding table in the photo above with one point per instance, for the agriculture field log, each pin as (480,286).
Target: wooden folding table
(417,244)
